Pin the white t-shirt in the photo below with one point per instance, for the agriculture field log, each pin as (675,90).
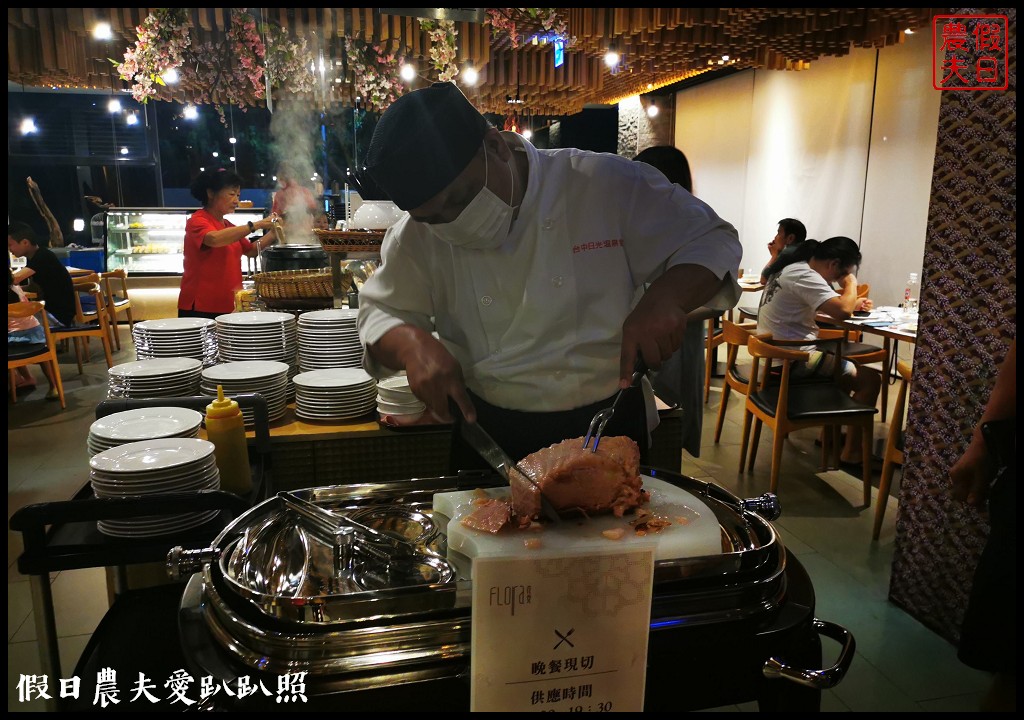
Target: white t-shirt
(536,324)
(790,302)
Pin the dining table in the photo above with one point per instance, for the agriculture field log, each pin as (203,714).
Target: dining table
(889,323)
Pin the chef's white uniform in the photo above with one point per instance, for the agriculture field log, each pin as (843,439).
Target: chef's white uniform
(536,324)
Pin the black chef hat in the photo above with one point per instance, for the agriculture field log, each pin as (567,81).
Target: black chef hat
(422,142)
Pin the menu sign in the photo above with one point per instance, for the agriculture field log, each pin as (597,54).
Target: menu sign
(561,634)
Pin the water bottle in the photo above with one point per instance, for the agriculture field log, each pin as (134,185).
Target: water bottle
(911,294)
(225,428)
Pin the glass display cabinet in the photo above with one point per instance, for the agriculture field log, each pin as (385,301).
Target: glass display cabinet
(149,241)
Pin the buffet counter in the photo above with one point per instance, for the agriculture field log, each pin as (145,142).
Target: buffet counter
(311,454)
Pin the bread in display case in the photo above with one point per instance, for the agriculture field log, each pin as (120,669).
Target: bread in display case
(150,241)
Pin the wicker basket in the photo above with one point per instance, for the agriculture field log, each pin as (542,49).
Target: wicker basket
(294,284)
(354,241)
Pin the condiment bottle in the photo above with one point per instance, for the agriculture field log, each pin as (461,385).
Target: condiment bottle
(225,428)
(911,294)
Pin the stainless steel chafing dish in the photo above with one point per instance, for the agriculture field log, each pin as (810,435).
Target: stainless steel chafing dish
(354,585)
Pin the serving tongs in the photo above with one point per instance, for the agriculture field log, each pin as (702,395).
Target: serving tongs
(602,417)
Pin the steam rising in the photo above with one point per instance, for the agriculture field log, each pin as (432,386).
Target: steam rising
(292,129)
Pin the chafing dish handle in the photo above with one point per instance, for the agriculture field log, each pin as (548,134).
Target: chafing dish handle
(817,679)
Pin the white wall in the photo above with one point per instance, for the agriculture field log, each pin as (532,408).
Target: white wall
(764,145)
(903,137)
(713,130)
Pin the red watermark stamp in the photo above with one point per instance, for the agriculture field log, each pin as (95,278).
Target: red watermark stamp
(970,52)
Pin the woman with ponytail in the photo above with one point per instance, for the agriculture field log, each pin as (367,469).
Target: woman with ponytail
(802,285)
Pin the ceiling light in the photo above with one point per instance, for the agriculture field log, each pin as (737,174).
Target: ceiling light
(652,109)
(202,169)
(232,158)
(191,112)
(232,140)
(102,31)
(132,119)
(78,225)
(170,76)
(470,76)
(114,105)
(216,154)
(28,126)
(611,58)
(650,86)
(408,72)
(124,151)
(725,58)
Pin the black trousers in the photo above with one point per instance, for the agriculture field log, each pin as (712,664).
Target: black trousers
(521,433)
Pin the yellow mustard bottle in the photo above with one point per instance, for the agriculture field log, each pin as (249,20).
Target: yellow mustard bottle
(225,428)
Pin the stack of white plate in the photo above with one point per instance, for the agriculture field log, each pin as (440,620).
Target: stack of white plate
(259,335)
(142,424)
(334,394)
(263,376)
(329,339)
(394,398)
(150,467)
(176,337)
(159,377)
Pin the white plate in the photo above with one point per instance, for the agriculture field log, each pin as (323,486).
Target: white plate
(245,370)
(175,324)
(156,367)
(152,455)
(180,473)
(143,530)
(333,378)
(255,317)
(107,488)
(338,314)
(146,423)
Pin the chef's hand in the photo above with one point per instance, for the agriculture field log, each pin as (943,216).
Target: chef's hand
(655,328)
(652,330)
(434,374)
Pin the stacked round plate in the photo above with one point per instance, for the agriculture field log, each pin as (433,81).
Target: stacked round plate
(177,337)
(150,467)
(259,335)
(159,377)
(334,394)
(263,376)
(394,398)
(142,424)
(329,339)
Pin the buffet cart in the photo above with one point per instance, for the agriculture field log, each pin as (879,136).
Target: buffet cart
(355,588)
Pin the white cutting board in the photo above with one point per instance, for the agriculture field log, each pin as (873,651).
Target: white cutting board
(701,535)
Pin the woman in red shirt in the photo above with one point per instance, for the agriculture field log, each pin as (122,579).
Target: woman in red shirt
(214,247)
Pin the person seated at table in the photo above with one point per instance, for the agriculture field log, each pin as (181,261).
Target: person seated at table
(794,295)
(25,330)
(787,238)
(46,272)
(321,221)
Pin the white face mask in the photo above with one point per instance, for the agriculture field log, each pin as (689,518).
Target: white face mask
(484,223)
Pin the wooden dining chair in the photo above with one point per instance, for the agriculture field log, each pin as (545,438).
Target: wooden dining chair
(735,336)
(773,400)
(712,339)
(88,324)
(893,447)
(117,301)
(22,354)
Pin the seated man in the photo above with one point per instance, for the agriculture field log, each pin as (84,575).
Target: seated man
(790,234)
(46,271)
(800,289)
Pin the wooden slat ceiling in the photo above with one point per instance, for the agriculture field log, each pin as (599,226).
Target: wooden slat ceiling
(660,46)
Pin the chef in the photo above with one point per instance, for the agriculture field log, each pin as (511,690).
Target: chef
(509,286)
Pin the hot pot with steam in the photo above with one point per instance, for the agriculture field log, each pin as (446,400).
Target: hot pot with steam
(356,586)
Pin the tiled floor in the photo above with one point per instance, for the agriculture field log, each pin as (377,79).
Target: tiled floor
(899,666)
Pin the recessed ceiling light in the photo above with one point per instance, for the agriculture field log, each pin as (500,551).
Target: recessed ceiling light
(102,31)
